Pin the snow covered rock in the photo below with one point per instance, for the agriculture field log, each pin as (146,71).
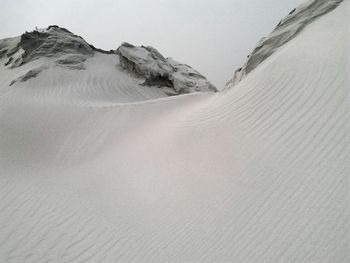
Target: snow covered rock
(56,47)
(286,30)
(32,73)
(51,42)
(147,62)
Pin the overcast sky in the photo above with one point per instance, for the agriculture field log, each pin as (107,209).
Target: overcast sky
(212,36)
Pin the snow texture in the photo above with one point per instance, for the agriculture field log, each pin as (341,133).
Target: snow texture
(95,167)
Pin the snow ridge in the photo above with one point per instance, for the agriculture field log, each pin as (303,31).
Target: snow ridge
(286,30)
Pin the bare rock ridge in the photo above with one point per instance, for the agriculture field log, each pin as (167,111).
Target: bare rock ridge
(62,48)
(286,30)
(149,63)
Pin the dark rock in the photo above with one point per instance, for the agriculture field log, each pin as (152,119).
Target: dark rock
(102,51)
(148,63)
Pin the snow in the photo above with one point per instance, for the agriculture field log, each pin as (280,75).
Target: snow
(149,73)
(94,168)
(286,30)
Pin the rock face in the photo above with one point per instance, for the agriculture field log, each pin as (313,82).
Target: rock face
(148,63)
(286,30)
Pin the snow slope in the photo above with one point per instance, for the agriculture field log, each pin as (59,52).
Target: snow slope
(286,30)
(258,173)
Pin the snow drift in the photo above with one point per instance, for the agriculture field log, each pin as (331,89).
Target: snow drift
(257,173)
(286,30)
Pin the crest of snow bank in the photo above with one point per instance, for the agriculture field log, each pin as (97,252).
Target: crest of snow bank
(147,62)
(286,30)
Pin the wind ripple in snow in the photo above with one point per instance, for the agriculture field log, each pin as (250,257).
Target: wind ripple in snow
(258,173)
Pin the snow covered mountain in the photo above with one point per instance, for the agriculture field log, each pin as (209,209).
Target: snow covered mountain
(95,167)
(54,58)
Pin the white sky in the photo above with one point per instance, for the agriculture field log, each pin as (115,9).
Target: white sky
(212,36)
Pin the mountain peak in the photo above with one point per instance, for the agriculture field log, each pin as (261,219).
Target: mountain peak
(57,46)
(53,41)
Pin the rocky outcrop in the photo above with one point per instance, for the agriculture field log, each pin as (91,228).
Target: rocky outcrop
(148,63)
(51,42)
(286,30)
(64,49)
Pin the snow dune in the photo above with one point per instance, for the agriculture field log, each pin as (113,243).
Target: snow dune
(257,173)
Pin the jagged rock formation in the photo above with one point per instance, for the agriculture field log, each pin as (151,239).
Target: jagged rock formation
(147,62)
(286,30)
